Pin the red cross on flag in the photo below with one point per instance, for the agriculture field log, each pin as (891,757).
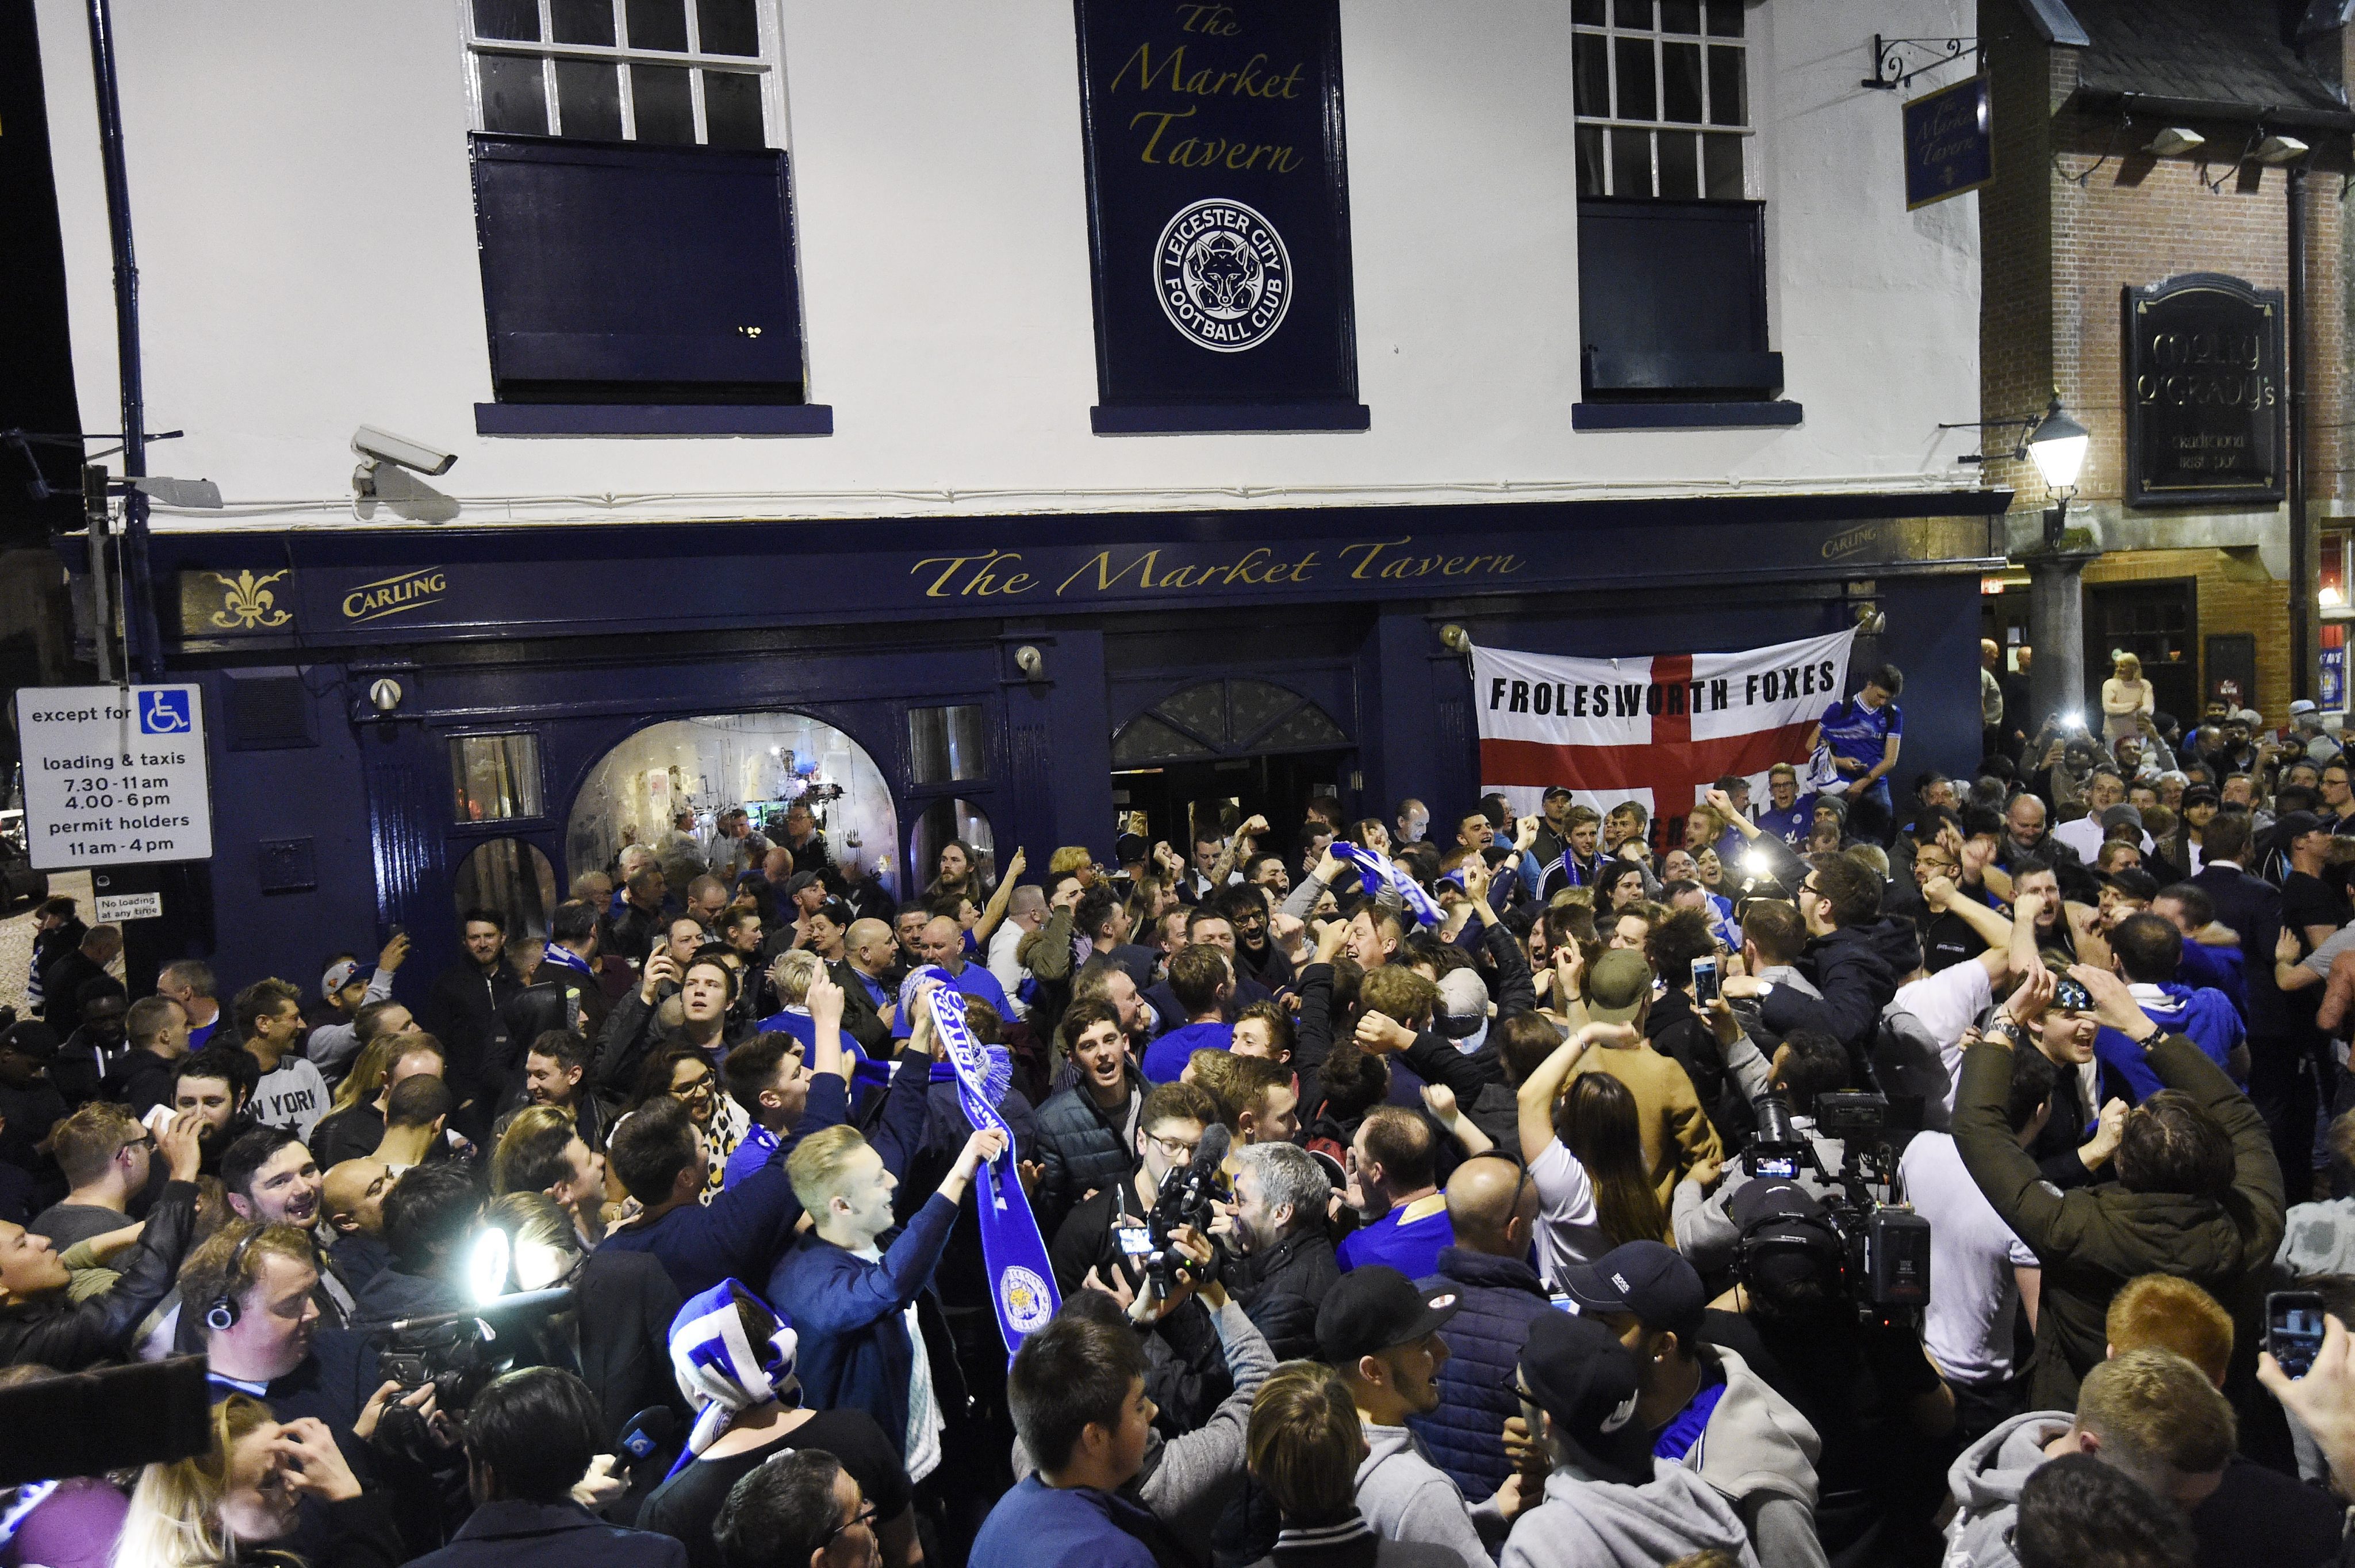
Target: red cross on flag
(1658,729)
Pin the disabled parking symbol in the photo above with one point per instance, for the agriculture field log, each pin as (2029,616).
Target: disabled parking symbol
(164,713)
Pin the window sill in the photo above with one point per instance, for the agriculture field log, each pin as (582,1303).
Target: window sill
(1206,419)
(1684,416)
(653,419)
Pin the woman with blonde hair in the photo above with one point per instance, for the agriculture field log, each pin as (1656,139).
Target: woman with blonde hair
(228,1504)
(2126,698)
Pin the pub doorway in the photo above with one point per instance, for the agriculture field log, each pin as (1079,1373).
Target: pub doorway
(2158,622)
(1220,752)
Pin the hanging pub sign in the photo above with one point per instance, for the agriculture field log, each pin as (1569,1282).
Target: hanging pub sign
(1949,142)
(1217,216)
(2203,391)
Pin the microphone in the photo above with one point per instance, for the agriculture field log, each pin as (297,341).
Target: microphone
(1209,1155)
(651,1430)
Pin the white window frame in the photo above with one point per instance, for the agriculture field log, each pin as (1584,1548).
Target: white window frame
(1608,32)
(767,65)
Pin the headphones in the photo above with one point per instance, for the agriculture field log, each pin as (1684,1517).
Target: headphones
(222,1312)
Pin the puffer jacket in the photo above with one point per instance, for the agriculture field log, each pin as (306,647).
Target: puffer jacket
(1465,1435)
(1080,1146)
(1858,969)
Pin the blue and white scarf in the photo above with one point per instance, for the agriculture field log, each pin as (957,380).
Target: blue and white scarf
(1375,873)
(563,958)
(1022,1283)
(721,1370)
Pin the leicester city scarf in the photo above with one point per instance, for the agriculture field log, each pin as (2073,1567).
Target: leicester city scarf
(1376,873)
(720,1372)
(1022,1285)
(563,958)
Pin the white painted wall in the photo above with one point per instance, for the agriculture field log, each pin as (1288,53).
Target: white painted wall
(306,235)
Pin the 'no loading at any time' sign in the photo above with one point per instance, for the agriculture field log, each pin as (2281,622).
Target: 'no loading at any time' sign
(115,774)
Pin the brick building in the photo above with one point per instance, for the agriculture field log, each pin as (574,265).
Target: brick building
(2131,147)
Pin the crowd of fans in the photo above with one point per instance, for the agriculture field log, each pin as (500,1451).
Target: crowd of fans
(1855,1176)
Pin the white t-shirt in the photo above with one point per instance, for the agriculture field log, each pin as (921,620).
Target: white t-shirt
(1947,1003)
(1967,1327)
(1569,1229)
(292,1096)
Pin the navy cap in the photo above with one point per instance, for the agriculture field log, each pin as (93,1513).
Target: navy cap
(1649,1282)
(1375,1307)
(1578,1373)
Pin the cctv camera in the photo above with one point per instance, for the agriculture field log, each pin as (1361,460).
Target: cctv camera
(383,446)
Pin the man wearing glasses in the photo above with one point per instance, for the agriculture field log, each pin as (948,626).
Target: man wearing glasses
(1108,1232)
(104,1153)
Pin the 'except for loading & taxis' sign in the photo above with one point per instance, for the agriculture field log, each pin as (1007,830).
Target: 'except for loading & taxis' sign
(115,774)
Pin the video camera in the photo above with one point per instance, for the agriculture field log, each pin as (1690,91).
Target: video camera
(1184,1199)
(1884,1244)
(459,1353)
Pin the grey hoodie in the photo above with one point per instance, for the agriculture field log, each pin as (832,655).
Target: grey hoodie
(1760,1453)
(1405,1496)
(1985,1482)
(1586,1523)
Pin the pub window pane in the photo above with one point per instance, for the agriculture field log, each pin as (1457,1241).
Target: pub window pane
(1725,18)
(589,100)
(514,99)
(1637,98)
(731,109)
(1679,167)
(665,111)
(511,877)
(507,19)
(1590,75)
(1720,159)
(946,744)
(1633,13)
(1680,82)
(1590,161)
(496,777)
(945,821)
(1586,13)
(727,27)
(658,24)
(1726,94)
(1680,15)
(1631,163)
(583,22)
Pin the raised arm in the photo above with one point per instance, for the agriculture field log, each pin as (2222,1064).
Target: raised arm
(994,911)
(1538,1091)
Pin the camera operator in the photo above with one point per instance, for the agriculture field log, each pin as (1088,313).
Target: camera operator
(1857,1373)
(1808,1065)
(40,1323)
(2199,1194)
(1107,1231)
(532,1444)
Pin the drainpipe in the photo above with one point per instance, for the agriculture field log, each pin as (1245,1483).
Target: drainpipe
(139,612)
(2304,552)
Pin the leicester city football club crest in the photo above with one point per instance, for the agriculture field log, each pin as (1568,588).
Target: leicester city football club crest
(1027,1301)
(1222,275)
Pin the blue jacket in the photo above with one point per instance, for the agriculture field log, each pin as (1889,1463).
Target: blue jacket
(550,1535)
(855,1350)
(740,1233)
(1039,1526)
(2207,1018)
(1466,1434)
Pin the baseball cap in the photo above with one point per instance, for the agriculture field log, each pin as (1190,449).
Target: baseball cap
(1618,987)
(1578,1373)
(1131,848)
(1647,1280)
(2300,707)
(1373,1309)
(1558,791)
(2295,824)
(2200,794)
(339,975)
(799,880)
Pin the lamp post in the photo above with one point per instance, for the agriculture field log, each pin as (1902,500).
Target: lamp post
(2058,446)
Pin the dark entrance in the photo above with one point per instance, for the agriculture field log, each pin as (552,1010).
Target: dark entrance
(1221,752)
(2156,622)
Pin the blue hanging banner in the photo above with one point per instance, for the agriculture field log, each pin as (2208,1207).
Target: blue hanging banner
(1949,142)
(1217,216)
